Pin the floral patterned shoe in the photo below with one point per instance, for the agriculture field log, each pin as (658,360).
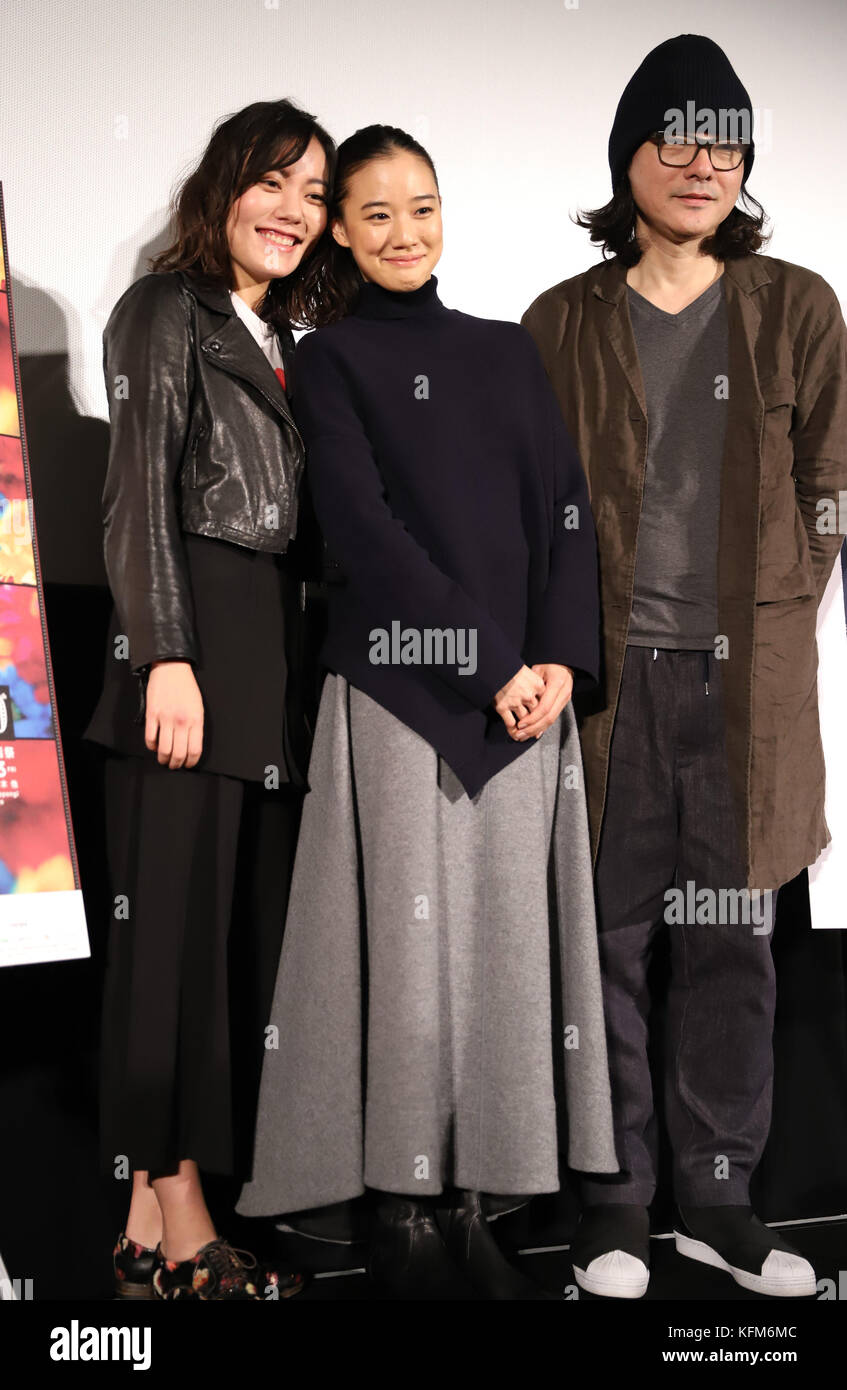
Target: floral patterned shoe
(219,1271)
(133,1265)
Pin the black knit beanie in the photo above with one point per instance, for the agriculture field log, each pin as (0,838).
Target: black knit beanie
(687,68)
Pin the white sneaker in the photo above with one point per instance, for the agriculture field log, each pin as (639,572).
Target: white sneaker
(783,1275)
(615,1275)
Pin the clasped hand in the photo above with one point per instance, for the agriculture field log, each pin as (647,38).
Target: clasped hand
(533,699)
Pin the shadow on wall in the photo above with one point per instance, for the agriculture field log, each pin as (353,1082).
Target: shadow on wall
(68,452)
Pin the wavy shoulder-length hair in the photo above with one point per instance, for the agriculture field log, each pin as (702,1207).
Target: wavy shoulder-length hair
(341,278)
(613,227)
(243,148)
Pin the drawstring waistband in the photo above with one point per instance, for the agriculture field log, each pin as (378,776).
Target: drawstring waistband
(705,664)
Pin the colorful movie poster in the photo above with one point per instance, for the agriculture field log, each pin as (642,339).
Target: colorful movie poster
(41,910)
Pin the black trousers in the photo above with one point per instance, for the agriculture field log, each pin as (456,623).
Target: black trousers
(670,822)
(200,867)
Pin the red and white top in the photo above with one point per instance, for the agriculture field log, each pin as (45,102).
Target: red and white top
(263,333)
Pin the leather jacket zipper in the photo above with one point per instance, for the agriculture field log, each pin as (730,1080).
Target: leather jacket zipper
(242,376)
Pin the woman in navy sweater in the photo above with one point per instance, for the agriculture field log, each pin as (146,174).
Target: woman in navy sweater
(439,970)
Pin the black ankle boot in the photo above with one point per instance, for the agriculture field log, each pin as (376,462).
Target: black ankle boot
(477,1254)
(407,1258)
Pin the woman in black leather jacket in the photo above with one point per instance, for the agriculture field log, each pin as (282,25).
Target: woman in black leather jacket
(203,707)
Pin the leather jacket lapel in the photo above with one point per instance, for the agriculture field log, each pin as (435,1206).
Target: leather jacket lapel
(229,347)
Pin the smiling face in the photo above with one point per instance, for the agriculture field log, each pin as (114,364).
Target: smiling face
(391,221)
(276,221)
(682,204)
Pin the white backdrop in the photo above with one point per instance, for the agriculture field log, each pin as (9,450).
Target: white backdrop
(104,105)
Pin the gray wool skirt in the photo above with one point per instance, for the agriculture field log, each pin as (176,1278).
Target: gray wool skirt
(438,1015)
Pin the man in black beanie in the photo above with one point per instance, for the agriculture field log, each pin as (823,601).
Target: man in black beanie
(705,386)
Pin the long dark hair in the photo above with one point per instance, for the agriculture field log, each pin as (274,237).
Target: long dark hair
(243,147)
(613,227)
(341,277)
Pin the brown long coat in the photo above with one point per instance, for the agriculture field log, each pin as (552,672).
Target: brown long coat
(786,447)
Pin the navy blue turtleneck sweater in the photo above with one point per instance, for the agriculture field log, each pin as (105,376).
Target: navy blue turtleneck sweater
(450,494)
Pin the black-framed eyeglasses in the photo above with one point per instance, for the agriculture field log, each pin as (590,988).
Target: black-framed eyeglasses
(678,152)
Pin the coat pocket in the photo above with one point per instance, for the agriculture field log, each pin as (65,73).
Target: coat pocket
(778,395)
(785,567)
(777,391)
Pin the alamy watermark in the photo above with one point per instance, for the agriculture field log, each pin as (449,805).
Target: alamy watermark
(726,125)
(720,907)
(82,1343)
(832,515)
(429,646)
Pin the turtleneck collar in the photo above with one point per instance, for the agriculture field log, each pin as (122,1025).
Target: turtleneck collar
(375,302)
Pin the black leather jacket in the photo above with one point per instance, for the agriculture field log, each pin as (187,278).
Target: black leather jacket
(189,452)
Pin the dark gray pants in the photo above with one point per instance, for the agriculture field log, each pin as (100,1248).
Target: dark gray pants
(669,822)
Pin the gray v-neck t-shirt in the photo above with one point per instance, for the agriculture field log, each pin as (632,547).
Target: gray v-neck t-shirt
(684,366)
